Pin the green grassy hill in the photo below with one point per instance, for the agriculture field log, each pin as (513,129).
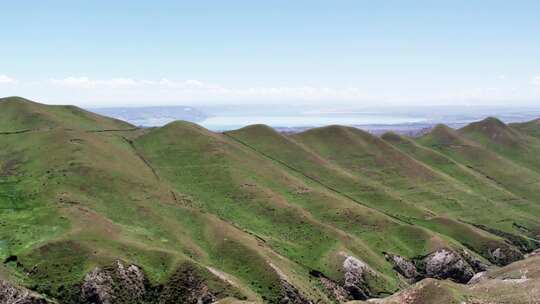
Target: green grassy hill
(94,210)
(19,115)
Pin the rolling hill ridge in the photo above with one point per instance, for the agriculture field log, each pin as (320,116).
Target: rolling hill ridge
(95,210)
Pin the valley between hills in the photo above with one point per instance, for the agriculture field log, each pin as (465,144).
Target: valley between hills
(96,210)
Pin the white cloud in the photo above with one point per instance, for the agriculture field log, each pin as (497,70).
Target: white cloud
(85,82)
(132,91)
(536,80)
(7,80)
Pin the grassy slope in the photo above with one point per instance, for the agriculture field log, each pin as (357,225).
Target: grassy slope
(19,114)
(254,193)
(72,199)
(506,141)
(420,194)
(495,204)
(517,179)
(531,128)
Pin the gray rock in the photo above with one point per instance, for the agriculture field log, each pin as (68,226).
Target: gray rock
(337,292)
(475,263)
(357,278)
(11,294)
(291,295)
(504,256)
(404,266)
(120,283)
(447,264)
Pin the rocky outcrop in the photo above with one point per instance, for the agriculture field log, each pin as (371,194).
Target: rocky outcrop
(336,291)
(117,284)
(291,295)
(404,267)
(10,294)
(333,289)
(476,264)
(356,278)
(123,283)
(186,286)
(447,264)
(459,266)
(503,256)
(357,282)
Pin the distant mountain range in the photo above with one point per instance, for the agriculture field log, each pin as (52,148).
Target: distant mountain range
(96,210)
(153,116)
(410,121)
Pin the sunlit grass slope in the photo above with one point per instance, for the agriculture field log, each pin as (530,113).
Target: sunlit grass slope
(420,193)
(78,190)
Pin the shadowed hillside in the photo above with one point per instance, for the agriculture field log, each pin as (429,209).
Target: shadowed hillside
(94,210)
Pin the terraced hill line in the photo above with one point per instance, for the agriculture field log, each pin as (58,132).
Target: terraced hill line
(143,159)
(317,181)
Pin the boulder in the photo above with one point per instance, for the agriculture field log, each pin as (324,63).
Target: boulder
(447,264)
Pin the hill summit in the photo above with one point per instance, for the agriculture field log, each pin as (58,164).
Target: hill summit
(95,210)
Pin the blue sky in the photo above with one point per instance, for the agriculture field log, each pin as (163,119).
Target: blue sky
(317,52)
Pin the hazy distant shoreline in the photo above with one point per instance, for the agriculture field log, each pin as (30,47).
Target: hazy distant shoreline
(411,121)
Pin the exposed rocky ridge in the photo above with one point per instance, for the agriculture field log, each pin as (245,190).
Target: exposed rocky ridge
(123,283)
(517,283)
(504,256)
(187,286)
(357,283)
(476,264)
(442,264)
(335,290)
(358,278)
(118,284)
(404,267)
(10,294)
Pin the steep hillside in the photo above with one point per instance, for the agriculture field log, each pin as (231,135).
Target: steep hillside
(518,179)
(495,203)
(18,115)
(93,210)
(506,140)
(358,157)
(531,128)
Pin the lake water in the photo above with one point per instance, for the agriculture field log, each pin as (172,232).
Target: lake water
(223,123)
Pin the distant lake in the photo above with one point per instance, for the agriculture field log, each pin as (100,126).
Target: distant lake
(223,123)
